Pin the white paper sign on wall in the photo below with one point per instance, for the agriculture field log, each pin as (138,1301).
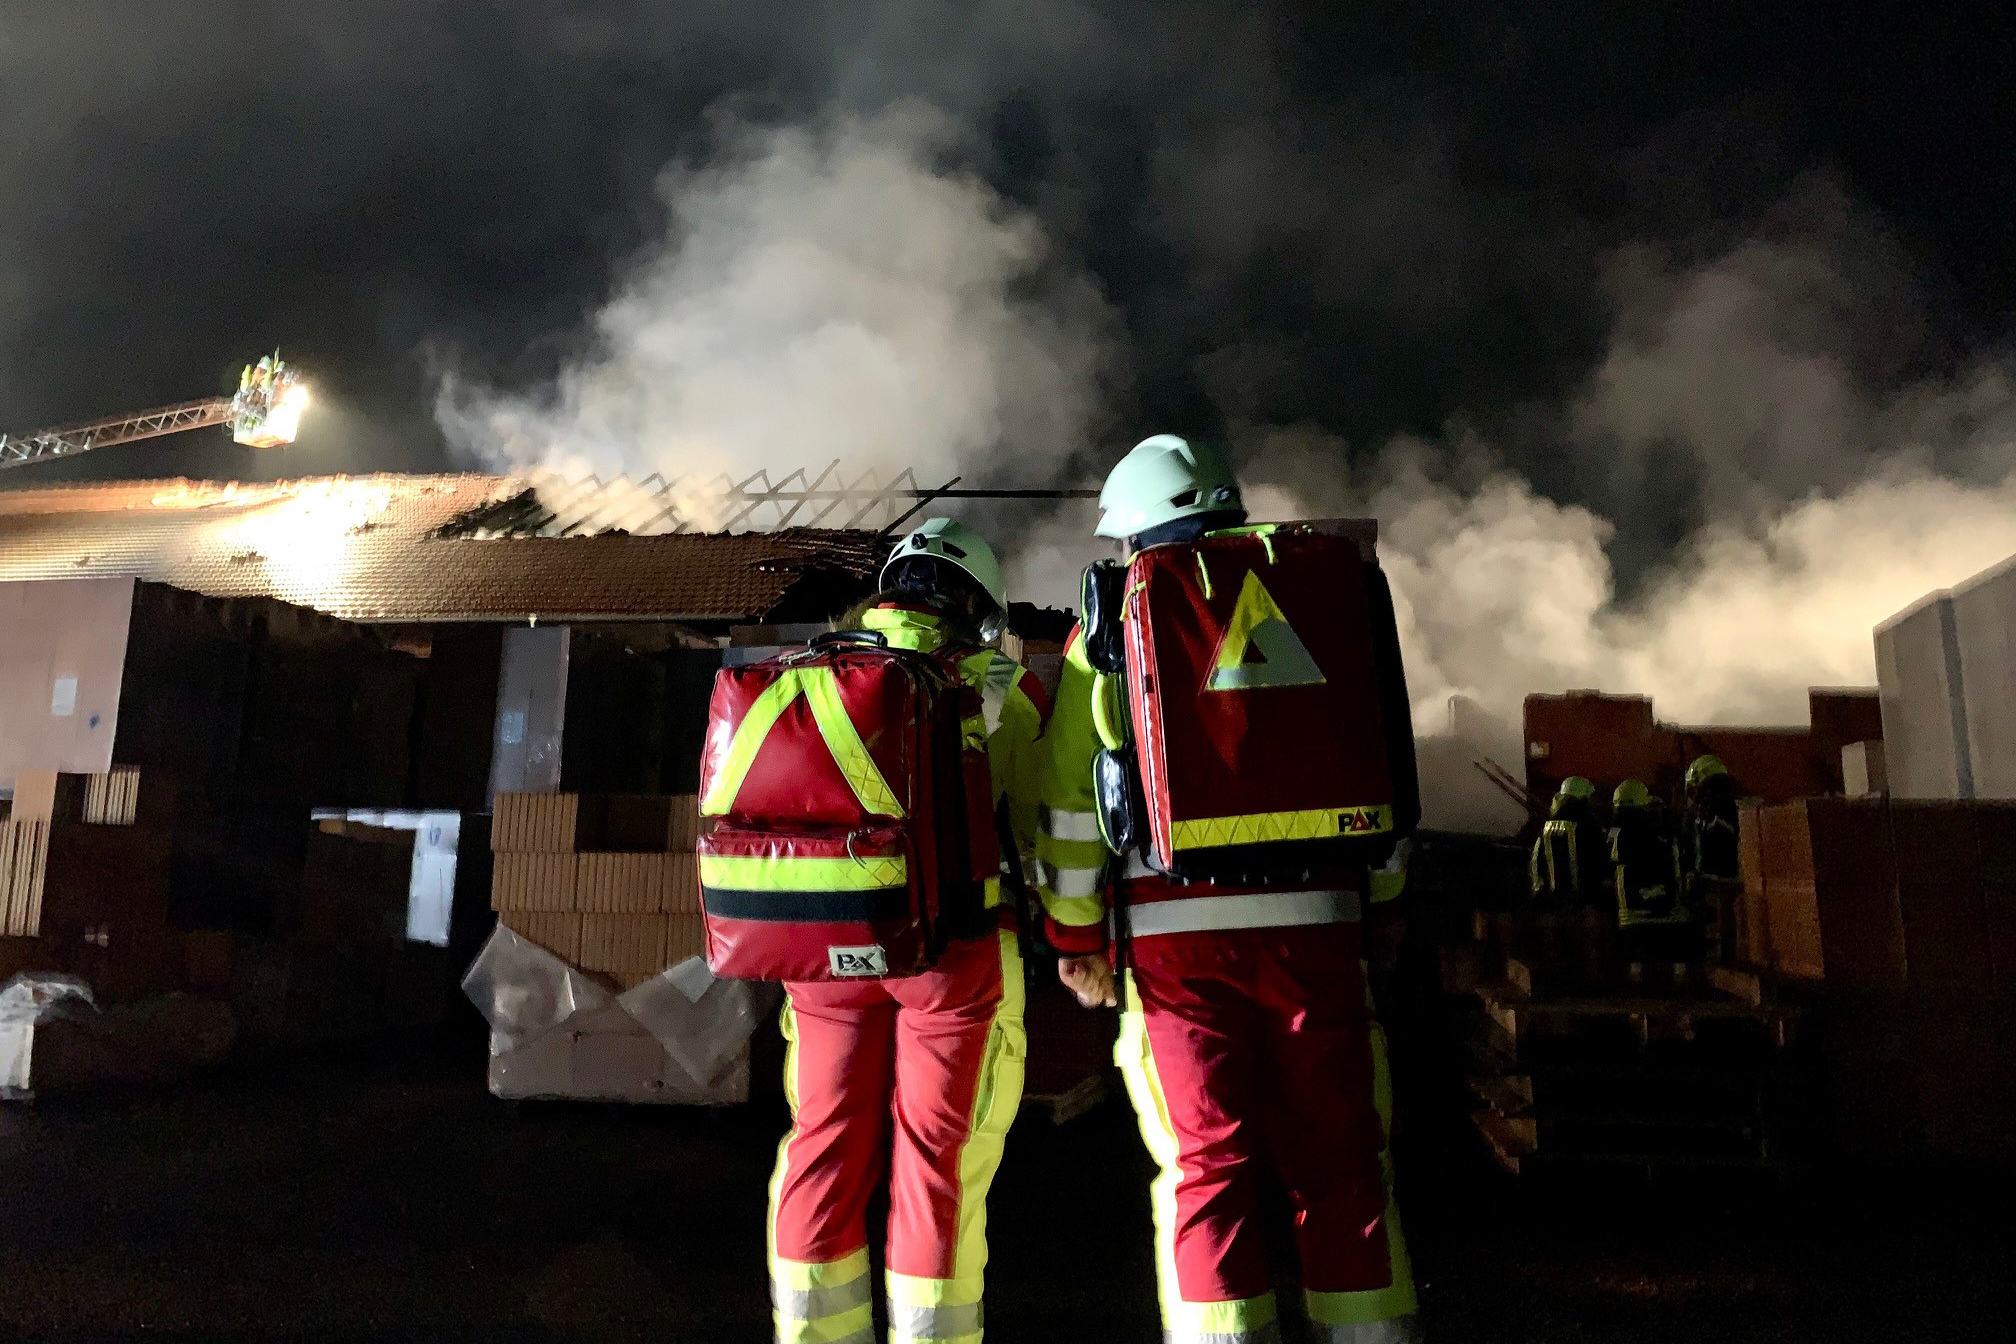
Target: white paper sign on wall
(63,698)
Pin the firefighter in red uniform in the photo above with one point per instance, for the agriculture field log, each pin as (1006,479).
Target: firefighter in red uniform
(1247,1035)
(915,1078)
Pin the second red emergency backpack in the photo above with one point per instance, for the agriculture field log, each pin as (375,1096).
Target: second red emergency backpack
(840,845)
(1271,736)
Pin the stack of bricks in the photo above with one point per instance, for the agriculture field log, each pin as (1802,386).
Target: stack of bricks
(606,882)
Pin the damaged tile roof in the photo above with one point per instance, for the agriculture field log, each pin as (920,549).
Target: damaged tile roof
(370,548)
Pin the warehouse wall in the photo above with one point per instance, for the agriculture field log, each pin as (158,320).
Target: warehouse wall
(1984,625)
(1947,668)
(62,660)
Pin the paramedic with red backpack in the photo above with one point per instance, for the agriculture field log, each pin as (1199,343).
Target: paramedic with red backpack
(1246,1031)
(915,1077)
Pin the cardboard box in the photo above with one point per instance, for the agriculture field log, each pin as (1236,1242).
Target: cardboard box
(683,836)
(113,798)
(619,884)
(1821,902)
(685,936)
(604,1054)
(533,881)
(623,944)
(637,822)
(679,893)
(24,871)
(45,795)
(1942,892)
(545,823)
(558,931)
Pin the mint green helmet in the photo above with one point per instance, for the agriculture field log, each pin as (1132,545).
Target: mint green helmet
(1162,479)
(959,546)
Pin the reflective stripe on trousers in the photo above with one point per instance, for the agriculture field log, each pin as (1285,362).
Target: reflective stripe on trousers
(1254,910)
(1405,1330)
(1269,1333)
(822,1303)
(926,1310)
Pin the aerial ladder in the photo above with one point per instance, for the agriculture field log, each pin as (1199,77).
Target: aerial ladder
(265,412)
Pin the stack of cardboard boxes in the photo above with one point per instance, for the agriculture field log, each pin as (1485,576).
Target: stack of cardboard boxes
(84,885)
(1901,916)
(609,883)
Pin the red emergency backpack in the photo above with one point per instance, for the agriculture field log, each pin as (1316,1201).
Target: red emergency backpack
(1271,736)
(842,847)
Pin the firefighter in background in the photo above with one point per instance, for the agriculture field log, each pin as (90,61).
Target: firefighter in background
(1570,865)
(1653,921)
(917,1078)
(1241,1018)
(1711,827)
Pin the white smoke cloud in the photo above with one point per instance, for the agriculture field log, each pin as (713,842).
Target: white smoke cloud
(822,292)
(839,291)
(1833,493)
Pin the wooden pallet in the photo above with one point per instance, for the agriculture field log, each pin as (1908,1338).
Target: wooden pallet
(1629,1018)
(1520,1155)
(1537,979)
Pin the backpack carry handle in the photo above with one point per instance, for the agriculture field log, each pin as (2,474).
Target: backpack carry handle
(874,638)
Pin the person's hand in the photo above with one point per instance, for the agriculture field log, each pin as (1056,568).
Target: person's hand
(1090,979)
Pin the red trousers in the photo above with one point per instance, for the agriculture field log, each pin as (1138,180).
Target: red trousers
(1254,1050)
(916,1081)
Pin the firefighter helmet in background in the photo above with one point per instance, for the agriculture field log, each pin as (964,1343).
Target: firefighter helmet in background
(1703,769)
(965,550)
(1631,793)
(1574,789)
(1162,479)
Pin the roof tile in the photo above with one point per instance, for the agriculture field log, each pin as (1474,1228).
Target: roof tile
(364,548)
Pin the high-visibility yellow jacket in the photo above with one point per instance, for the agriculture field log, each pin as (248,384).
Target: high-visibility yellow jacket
(1072,862)
(1012,710)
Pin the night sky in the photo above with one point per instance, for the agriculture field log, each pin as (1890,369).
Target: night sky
(1307,214)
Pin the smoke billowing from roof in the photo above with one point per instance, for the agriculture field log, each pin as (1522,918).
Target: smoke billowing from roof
(837,290)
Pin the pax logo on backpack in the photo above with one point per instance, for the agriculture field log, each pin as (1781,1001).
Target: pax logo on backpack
(853,962)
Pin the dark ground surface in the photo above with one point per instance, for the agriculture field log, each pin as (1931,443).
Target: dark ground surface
(394,1199)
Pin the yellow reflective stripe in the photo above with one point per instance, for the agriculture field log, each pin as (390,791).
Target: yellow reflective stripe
(812,1303)
(821,690)
(1109,719)
(768,872)
(748,740)
(947,1310)
(1075,912)
(1071,853)
(801,1277)
(1398,1299)
(853,1327)
(1239,1319)
(1261,828)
